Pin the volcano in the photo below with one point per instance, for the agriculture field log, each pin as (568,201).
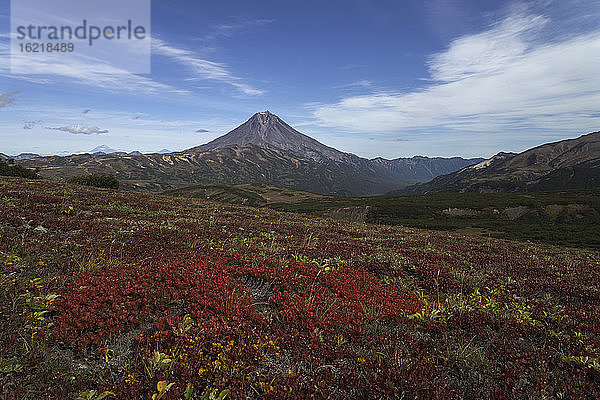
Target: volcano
(266,130)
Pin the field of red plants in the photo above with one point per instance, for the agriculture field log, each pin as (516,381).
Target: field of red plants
(109,294)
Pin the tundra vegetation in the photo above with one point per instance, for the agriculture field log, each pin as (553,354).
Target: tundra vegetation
(11,169)
(110,294)
(95,180)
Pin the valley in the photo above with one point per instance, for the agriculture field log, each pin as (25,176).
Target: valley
(568,217)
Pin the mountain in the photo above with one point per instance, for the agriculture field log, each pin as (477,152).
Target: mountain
(567,164)
(267,130)
(25,156)
(164,151)
(102,149)
(422,169)
(263,150)
(229,165)
(19,157)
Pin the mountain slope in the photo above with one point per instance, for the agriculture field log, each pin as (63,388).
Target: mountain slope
(229,165)
(102,149)
(263,150)
(25,156)
(567,164)
(267,130)
(247,194)
(423,169)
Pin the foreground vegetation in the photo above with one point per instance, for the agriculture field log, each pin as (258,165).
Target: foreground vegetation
(569,218)
(95,180)
(135,296)
(11,169)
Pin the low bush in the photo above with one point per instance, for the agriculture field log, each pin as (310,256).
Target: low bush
(17,170)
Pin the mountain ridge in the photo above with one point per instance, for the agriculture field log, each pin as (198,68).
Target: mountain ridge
(264,150)
(571,163)
(267,130)
(228,165)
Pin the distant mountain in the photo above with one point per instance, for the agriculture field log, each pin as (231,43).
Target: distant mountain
(102,149)
(25,156)
(164,151)
(423,169)
(263,150)
(567,164)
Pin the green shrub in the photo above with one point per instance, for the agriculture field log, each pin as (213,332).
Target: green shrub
(96,180)
(17,170)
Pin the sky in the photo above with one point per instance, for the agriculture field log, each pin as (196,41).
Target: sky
(376,78)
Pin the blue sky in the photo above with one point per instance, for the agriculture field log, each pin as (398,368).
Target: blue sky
(376,78)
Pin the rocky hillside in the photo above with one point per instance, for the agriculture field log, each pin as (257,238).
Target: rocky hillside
(229,165)
(567,164)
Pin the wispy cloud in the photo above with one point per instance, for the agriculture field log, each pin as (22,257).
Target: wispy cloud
(95,73)
(201,69)
(78,129)
(353,85)
(502,78)
(7,98)
(231,29)
(81,70)
(488,52)
(129,130)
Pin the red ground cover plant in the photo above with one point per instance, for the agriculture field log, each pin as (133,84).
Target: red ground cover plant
(112,291)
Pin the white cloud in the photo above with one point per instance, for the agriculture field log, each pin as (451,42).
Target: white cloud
(485,53)
(7,98)
(79,129)
(358,84)
(503,78)
(82,70)
(98,74)
(229,30)
(200,68)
